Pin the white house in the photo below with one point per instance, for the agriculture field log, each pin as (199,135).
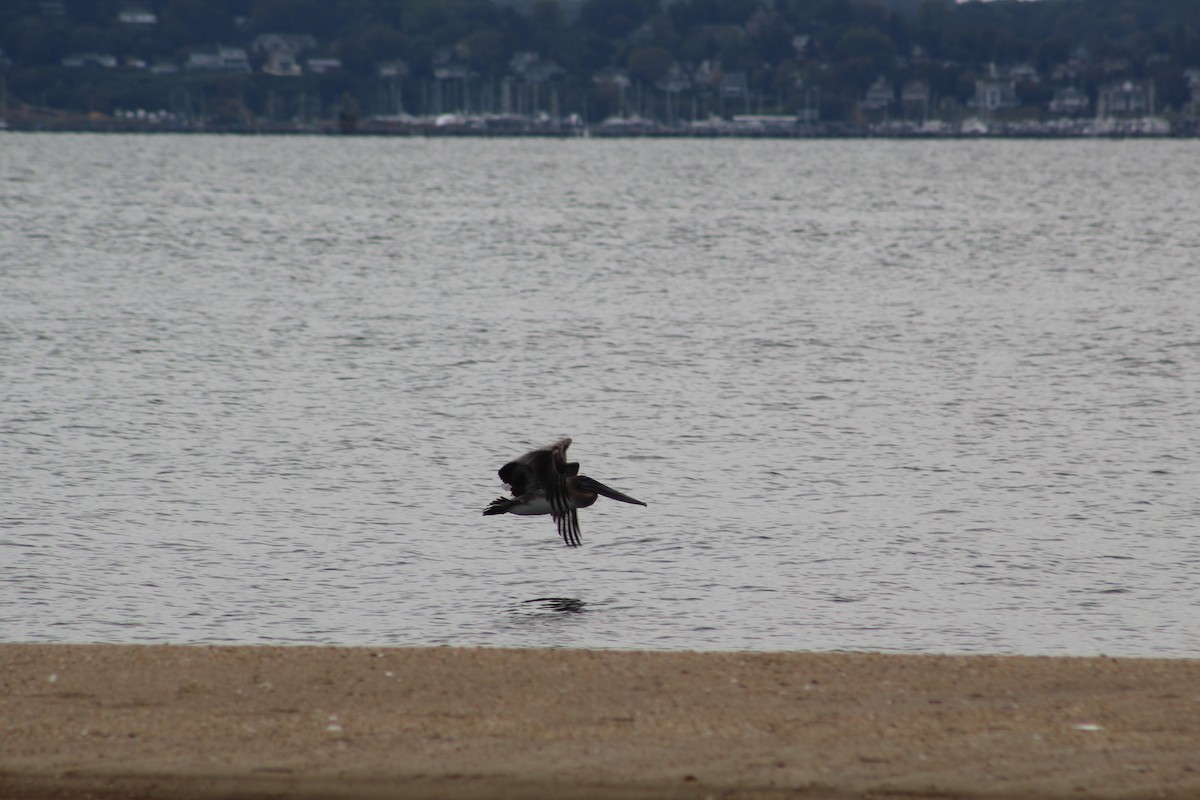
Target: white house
(915,98)
(880,95)
(283,64)
(77,60)
(319,66)
(1126,99)
(1069,101)
(222,59)
(137,16)
(992,94)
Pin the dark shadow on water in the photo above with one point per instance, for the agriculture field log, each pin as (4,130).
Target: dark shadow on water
(563,605)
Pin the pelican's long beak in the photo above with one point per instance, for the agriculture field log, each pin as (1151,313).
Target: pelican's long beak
(593,485)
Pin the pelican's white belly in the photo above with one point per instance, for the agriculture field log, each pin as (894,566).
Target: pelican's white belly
(538,505)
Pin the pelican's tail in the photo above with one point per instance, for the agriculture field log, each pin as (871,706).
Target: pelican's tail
(500,505)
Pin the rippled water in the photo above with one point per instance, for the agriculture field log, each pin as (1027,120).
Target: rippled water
(911,396)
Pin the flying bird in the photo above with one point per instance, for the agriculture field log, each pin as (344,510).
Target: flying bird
(544,482)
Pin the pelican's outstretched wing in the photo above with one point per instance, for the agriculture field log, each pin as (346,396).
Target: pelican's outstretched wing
(519,478)
(537,470)
(550,466)
(568,528)
(546,470)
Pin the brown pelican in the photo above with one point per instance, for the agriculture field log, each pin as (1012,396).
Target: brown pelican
(544,482)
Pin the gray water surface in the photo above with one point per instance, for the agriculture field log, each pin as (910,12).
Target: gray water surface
(899,396)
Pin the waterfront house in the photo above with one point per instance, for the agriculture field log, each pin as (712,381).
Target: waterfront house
(1192,107)
(78,60)
(1024,73)
(735,83)
(1125,99)
(220,59)
(531,68)
(320,66)
(449,66)
(396,68)
(800,47)
(915,99)
(992,94)
(281,51)
(293,43)
(614,76)
(676,80)
(282,63)
(1069,101)
(137,17)
(880,95)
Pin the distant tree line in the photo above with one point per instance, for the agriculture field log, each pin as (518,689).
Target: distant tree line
(595,59)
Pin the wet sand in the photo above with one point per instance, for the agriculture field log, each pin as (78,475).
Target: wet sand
(107,721)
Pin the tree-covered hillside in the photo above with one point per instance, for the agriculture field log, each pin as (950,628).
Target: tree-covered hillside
(236,62)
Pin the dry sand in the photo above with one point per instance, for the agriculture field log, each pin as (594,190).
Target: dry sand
(253,722)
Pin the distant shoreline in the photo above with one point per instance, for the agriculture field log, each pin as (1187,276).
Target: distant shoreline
(1131,129)
(173,722)
(443,134)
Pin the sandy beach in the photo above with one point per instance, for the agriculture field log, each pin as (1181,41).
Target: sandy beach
(107,721)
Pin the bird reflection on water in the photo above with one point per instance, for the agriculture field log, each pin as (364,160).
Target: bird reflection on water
(565,605)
